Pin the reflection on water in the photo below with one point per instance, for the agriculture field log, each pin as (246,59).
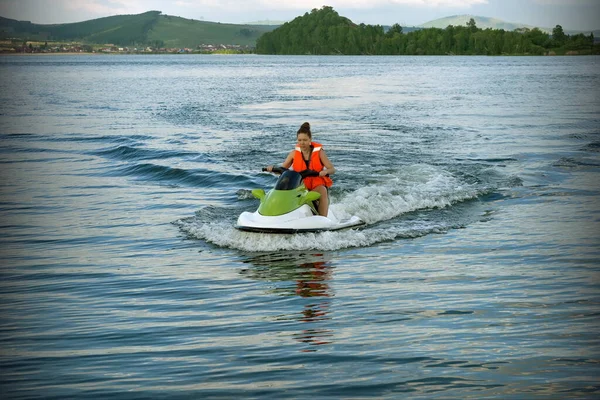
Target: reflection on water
(309,280)
(314,284)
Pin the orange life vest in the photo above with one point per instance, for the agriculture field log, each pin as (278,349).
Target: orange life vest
(315,164)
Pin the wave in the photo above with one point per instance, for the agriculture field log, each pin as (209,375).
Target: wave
(224,235)
(131,139)
(488,160)
(418,187)
(593,147)
(178,176)
(571,162)
(129,153)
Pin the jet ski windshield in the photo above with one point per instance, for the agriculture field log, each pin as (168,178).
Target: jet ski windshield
(288,180)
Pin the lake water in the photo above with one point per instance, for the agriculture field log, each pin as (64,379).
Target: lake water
(476,276)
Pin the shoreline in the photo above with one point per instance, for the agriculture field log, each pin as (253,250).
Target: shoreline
(67,54)
(112,54)
(51,54)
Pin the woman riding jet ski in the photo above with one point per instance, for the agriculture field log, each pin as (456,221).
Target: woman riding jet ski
(291,208)
(311,155)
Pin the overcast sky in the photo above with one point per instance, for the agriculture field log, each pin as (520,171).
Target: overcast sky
(571,14)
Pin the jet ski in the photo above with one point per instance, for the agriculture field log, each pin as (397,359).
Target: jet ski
(290,208)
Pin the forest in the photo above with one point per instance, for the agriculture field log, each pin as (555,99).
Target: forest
(324,32)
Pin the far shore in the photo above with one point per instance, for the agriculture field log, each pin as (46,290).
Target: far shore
(325,55)
(49,54)
(112,54)
(93,54)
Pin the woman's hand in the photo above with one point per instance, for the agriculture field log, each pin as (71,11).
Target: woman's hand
(269,168)
(323,173)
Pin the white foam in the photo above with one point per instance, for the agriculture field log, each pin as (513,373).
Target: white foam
(413,188)
(224,235)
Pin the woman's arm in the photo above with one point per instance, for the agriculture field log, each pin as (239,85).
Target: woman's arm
(289,160)
(330,170)
(285,164)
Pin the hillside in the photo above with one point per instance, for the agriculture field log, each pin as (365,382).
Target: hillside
(130,28)
(181,32)
(324,31)
(493,23)
(321,31)
(482,22)
(149,28)
(318,32)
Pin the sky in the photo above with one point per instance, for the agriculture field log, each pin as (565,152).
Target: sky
(570,14)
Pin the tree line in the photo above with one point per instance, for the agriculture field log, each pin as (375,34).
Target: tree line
(323,31)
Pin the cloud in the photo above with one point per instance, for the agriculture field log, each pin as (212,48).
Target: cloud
(109,7)
(62,11)
(310,4)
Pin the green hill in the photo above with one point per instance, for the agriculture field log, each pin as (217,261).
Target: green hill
(149,28)
(321,31)
(119,29)
(493,23)
(181,32)
(482,23)
(324,31)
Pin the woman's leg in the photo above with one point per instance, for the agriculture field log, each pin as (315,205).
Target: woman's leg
(323,201)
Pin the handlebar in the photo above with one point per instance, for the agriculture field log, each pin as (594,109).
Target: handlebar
(276,170)
(306,173)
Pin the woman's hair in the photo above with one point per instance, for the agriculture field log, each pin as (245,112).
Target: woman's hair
(305,128)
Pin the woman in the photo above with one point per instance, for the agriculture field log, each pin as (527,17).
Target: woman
(310,155)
